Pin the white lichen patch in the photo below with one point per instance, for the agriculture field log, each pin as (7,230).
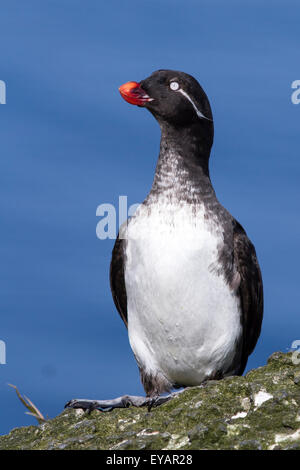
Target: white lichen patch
(261,397)
(276,379)
(198,404)
(125,422)
(145,432)
(115,447)
(285,438)
(291,437)
(241,414)
(43,426)
(246,404)
(77,425)
(235,429)
(176,442)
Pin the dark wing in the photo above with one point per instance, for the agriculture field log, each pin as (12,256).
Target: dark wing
(117,278)
(250,291)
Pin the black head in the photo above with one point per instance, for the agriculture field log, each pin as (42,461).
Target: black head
(172,97)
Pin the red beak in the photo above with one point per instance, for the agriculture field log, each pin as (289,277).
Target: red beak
(133,93)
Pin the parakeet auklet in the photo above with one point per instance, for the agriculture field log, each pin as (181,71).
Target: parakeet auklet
(184,275)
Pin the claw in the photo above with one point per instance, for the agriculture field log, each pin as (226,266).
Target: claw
(157,400)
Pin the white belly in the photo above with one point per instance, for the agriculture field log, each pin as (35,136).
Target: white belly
(183,319)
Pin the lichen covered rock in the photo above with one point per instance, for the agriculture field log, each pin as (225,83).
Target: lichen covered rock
(257,411)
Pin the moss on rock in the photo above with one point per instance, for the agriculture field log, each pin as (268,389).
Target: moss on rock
(257,411)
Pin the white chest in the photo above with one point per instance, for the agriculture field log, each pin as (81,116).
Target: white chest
(182,317)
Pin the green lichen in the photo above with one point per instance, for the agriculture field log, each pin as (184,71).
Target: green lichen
(257,411)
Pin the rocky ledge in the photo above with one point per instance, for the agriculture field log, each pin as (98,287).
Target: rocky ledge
(257,411)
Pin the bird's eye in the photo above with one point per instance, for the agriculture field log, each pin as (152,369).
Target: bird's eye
(174,86)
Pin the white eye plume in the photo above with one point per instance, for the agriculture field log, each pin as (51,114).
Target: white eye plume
(199,114)
(174,86)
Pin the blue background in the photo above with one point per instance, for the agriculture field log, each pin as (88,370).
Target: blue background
(70,143)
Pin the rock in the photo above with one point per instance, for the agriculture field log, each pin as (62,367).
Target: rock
(257,411)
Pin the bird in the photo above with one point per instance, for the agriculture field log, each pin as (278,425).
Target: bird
(184,275)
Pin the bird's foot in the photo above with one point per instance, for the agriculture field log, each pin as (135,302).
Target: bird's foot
(157,400)
(120,402)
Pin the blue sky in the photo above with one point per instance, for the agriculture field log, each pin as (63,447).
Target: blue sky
(70,143)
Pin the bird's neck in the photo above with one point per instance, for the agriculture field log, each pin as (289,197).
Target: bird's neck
(182,170)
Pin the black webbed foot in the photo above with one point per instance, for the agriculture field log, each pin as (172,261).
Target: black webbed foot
(120,402)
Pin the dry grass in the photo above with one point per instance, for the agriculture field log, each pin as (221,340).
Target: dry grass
(32,409)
